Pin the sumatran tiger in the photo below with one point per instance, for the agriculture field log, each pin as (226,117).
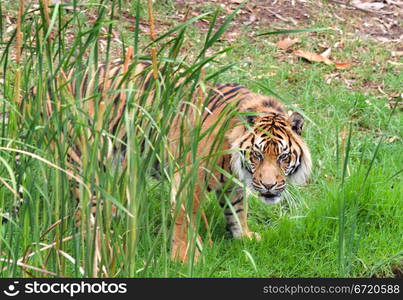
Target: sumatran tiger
(262,148)
(266,150)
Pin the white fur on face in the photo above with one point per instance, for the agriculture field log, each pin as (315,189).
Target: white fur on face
(269,201)
(301,176)
(236,163)
(236,166)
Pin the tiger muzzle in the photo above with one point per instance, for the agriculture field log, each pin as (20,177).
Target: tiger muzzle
(272,192)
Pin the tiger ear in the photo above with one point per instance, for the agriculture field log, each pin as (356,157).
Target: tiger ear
(250,119)
(297,122)
(250,116)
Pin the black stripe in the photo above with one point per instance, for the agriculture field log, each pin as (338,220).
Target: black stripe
(231,214)
(222,167)
(242,97)
(237,201)
(244,140)
(231,224)
(226,96)
(214,97)
(227,99)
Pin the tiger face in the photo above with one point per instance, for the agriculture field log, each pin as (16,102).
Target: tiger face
(272,152)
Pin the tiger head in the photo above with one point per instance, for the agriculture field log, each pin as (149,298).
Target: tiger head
(270,153)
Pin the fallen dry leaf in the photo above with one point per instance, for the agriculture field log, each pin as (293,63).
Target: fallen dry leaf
(392,139)
(330,77)
(395,63)
(313,57)
(368,5)
(397,53)
(340,66)
(287,43)
(252,19)
(398,104)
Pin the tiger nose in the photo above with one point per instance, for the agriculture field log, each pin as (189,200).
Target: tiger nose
(269,186)
(277,185)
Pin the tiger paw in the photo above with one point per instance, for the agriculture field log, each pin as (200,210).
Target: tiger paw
(180,252)
(253,235)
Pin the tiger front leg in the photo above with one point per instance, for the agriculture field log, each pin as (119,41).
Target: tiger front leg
(183,238)
(236,216)
(185,233)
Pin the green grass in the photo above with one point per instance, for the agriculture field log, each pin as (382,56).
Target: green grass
(347,222)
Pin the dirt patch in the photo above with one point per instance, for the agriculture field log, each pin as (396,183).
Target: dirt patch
(257,12)
(396,272)
(380,22)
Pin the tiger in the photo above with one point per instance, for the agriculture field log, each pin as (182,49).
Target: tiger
(265,152)
(262,146)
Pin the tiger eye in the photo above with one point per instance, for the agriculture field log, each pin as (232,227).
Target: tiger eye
(258,155)
(283,156)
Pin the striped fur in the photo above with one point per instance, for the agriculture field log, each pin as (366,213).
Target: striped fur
(100,95)
(263,145)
